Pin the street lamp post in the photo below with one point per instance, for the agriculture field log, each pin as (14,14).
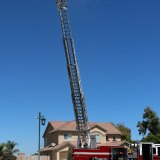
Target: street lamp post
(41,121)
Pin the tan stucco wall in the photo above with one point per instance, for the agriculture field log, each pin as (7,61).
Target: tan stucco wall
(62,151)
(54,156)
(48,129)
(95,130)
(101,133)
(51,138)
(63,155)
(98,130)
(55,137)
(61,137)
(117,137)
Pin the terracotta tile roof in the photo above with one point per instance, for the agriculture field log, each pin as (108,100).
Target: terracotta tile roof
(71,126)
(59,146)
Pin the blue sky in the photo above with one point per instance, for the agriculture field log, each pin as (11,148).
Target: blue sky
(117,45)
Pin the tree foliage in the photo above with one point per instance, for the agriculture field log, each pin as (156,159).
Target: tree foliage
(126,132)
(1,150)
(8,150)
(149,127)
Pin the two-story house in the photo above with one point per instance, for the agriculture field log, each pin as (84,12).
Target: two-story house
(60,136)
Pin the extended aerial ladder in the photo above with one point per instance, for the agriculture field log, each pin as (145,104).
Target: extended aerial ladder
(102,152)
(78,99)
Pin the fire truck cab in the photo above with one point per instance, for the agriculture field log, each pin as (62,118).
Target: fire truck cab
(144,151)
(101,153)
(157,150)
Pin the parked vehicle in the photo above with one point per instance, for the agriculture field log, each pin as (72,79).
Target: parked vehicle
(144,151)
(141,151)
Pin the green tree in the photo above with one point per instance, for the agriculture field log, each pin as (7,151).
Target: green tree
(126,132)
(149,127)
(9,150)
(142,128)
(1,150)
(151,138)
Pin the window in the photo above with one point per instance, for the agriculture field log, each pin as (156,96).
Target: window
(119,153)
(158,151)
(114,138)
(97,138)
(45,141)
(67,136)
(107,139)
(154,150)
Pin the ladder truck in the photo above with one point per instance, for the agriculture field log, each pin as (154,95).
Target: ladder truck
(86,150)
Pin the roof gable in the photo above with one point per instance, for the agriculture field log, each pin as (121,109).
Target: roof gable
(49,128)
(99,127)
(109,127)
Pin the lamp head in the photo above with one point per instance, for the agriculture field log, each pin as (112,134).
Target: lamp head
(43,120)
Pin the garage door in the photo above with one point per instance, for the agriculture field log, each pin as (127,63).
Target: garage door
(63,155)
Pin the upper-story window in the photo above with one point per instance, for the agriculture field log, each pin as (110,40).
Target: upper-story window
(98,138)
(107,138)
(45,142)
(114,138)
(67,136)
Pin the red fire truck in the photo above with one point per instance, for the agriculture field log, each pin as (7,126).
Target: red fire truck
(142,151)
(101,153)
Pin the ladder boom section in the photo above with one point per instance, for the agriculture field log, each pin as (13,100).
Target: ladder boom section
(78,99)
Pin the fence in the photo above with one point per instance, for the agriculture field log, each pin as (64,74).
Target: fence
(22,156)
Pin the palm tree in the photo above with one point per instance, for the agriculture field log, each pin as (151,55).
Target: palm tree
(2,145)
(1,151)
(10,151)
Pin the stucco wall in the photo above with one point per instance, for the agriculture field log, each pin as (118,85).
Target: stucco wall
(64,152)
(117,137)
(51,138)
(74,137)
(61,137)
(101,133)
(58,136)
